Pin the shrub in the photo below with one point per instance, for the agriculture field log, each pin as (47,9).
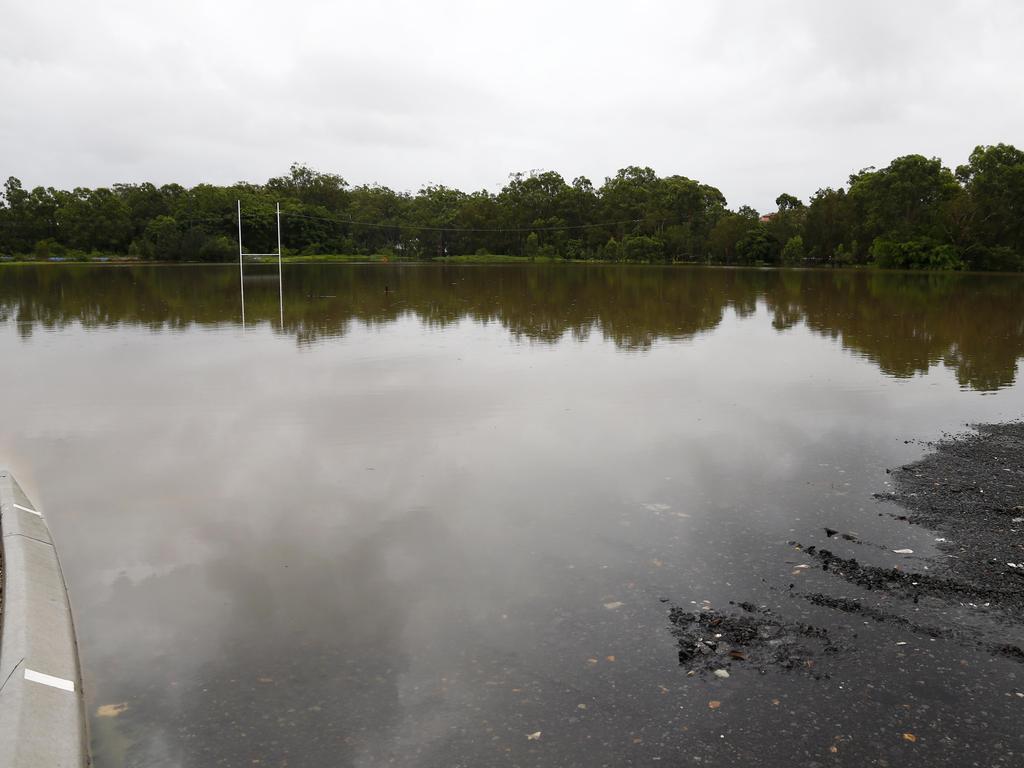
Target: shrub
(793,251)
(532,244)
(48,248)
(920,253)
(218,248)
(642,248)
(998,258)
(612,250)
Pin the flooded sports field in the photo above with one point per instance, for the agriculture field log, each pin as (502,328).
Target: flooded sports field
(524,515)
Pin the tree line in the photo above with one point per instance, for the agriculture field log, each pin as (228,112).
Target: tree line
(914,213)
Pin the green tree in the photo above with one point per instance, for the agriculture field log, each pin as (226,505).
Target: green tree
(436,210)
(993,179)
(94,219)
(642,248)
(903,201)
(162,239)
(912,212)
(728,231)
(758,246)
(828,225)
(310,187)
(787,202)
(793,250)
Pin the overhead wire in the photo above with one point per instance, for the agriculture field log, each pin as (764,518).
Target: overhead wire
(434,228)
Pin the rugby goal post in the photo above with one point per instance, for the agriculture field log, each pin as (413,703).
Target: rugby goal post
(241,254)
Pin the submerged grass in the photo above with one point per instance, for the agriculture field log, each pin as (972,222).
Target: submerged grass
(340,258)
(380,258)
(487,258)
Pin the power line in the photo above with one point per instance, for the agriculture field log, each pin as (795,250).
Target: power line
(226,221)
(430,228)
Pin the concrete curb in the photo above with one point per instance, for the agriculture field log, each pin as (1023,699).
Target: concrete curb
(42,711)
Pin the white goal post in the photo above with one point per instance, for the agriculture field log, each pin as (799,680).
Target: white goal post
(241,254)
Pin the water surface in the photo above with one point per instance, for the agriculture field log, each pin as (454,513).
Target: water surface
(441,509)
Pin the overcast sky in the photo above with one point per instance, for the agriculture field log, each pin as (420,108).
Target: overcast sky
(755,98)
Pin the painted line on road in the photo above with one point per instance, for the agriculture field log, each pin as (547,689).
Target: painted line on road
(26,509)
(50,680)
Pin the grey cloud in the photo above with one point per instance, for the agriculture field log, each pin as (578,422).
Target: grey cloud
(754,97)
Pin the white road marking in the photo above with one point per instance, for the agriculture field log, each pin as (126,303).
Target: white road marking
(50,680)
(26,509)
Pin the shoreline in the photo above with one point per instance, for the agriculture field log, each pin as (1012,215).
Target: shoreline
(496,260)
(969,490)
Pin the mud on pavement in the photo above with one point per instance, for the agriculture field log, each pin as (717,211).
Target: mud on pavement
(969,490)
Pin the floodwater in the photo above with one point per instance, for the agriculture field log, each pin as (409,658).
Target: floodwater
(441,515)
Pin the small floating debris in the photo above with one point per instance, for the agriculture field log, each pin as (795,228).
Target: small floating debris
(111,710)
(722,673)
(613,605)
(535,736)
(903,551)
